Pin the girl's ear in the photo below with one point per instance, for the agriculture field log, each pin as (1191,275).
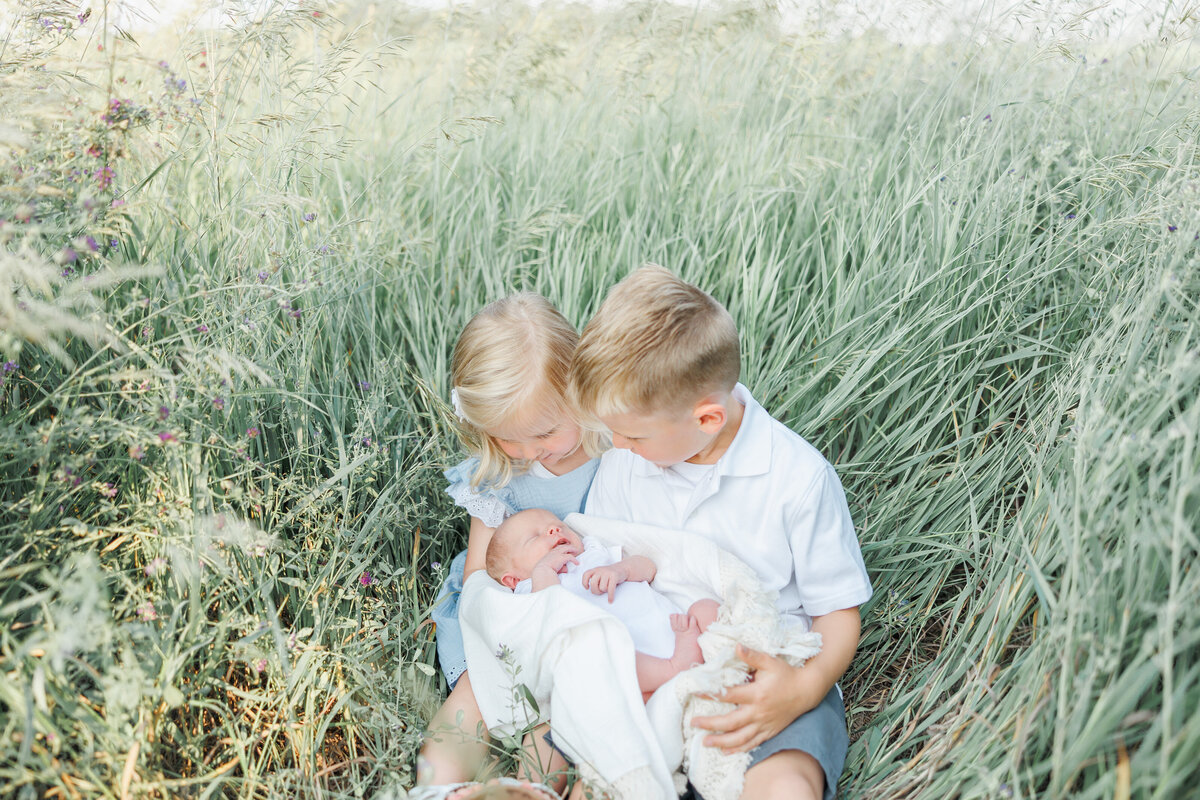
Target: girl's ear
(509,580)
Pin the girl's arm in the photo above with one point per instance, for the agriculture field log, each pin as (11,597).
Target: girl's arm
(477,544)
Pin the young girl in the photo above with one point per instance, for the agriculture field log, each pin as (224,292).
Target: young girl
(509,374)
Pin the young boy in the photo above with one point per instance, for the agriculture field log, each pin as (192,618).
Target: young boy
(658,365)
(534,550)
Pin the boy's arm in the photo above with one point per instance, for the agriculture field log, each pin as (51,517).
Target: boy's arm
(778,692)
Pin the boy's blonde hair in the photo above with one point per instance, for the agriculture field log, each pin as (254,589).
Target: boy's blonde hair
(657,343)
(510,365)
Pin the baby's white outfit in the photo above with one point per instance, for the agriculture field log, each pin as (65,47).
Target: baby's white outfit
(641,609)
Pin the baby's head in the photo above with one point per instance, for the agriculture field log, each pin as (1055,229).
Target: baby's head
(509,372)
(657,365)
(522,540)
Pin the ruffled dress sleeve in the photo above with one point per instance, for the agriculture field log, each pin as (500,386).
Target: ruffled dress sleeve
(476,501)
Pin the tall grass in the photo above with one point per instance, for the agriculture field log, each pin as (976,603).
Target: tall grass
(968,273)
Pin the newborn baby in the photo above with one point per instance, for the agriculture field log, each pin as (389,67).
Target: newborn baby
(533,550)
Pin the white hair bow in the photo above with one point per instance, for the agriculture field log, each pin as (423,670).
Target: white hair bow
(454,401)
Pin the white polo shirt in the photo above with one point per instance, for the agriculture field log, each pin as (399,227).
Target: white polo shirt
(771,499)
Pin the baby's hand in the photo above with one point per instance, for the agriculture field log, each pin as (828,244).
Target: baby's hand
(545,572)
(605,579)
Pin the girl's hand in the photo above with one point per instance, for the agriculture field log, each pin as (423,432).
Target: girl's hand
(776,694)
(605,579)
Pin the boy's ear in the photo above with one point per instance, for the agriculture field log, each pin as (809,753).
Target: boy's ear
(710,415)
(509,580)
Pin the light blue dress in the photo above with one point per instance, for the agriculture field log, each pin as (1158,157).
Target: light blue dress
(560,494)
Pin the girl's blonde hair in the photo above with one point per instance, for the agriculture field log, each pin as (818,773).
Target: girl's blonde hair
(510,365)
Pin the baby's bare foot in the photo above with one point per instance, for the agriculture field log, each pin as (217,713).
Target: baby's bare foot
(687,642)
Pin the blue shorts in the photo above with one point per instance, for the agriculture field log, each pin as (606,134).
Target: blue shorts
(451,654)
(821,733)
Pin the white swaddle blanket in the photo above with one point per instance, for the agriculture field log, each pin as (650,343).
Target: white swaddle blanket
(577,662)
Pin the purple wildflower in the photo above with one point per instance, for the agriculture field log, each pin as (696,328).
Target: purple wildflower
(365,579)
(364,385)
(202,328)
(1172,228)
(10,366)
(219,403)
(987,118)
(166,436)
(309,217)
(146,612)
(260,665)
(262,276)
(163,413)
(1070,216)
(108,490)
(137,452)
(91,244)
(296,313)
(252,431)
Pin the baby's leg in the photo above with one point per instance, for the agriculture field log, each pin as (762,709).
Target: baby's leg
(654,672)
(705,612)
(455,748)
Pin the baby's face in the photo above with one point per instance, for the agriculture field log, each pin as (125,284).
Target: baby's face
(534,533)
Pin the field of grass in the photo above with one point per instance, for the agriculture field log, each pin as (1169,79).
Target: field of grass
(235,262)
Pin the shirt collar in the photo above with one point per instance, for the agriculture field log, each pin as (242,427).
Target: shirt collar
(750,451)
(748,454)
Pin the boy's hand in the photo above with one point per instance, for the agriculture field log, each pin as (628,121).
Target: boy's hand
(776,694)
(545,572)
(606,579)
